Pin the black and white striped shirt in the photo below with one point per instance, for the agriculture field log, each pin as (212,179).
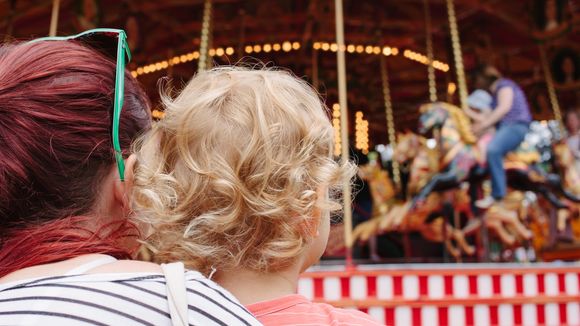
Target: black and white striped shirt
(115,299)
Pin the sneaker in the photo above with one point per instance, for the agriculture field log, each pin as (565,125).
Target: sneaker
(485,203)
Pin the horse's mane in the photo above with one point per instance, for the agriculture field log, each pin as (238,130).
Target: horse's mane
(462,122)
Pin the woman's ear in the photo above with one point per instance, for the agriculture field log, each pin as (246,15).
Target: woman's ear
(123,189)
(130,165)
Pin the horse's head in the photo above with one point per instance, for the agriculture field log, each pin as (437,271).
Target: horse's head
(433,115)
(412,148)
(422,168)
(407,147)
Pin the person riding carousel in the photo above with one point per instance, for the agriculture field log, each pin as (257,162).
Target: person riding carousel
(510,115)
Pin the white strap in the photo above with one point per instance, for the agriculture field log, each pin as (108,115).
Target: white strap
(176,293)
(90,265)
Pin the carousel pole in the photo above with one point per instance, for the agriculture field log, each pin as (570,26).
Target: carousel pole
(203,63)
(550,85)
(315,80)
(429,45)
(242,38)
(558,116)
(457,56)
(461,86)
(393,142)
(389,116)
(342,100)
(170,68)
(54,18)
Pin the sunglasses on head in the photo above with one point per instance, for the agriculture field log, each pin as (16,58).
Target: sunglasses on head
(112,43)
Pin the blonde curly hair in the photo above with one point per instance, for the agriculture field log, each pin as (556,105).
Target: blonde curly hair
(235,173)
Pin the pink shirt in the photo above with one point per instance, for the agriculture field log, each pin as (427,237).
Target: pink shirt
(297,310)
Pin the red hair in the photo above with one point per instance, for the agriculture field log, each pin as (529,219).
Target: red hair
(56,103)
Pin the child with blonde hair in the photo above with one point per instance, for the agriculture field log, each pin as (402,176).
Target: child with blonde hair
(238,181)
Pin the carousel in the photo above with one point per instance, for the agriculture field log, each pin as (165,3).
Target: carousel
(410,247)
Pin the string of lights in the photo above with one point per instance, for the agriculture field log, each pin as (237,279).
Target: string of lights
(421,58)
(288,46)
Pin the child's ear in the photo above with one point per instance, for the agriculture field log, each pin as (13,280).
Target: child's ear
(309,228)
(316,216)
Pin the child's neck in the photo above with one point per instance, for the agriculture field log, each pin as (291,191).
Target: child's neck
(251,287)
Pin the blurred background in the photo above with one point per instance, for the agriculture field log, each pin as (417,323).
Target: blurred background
(300,35)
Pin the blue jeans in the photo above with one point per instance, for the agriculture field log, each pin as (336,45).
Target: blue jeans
(507,138)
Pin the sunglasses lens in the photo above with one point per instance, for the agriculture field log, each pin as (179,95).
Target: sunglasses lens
(105,43)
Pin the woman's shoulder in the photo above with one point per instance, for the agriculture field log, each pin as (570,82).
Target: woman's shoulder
(127,266)
(85,264)
(505,82)
(122,294)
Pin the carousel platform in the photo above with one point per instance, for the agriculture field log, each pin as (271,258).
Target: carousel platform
(452,294)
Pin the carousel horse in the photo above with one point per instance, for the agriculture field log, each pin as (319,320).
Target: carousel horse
(380,185)
(424,162)
(556,155)
(460,162)
(460,158)
(538,218)
(424,220)
(505,220)
(382,192)
(565,164)
(388,216)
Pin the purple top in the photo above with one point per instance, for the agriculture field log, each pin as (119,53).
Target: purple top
(520,110)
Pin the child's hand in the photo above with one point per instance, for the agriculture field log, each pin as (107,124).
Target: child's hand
(478,128)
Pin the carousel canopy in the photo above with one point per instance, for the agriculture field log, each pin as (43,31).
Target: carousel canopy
(165,39)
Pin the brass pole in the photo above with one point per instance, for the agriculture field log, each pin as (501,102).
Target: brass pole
(315,69)
(429,41)
(456,44)
(203,63)
(54,18)
(209,61)
(550,85)
(390,118)
(342,100)
(242,38)
(170,67)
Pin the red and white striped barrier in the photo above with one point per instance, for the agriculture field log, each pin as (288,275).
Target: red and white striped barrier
(454,294)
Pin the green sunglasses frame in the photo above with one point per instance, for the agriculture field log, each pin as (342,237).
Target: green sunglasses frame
(122,50)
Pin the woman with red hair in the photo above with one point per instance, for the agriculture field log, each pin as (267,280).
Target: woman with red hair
(65,237)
